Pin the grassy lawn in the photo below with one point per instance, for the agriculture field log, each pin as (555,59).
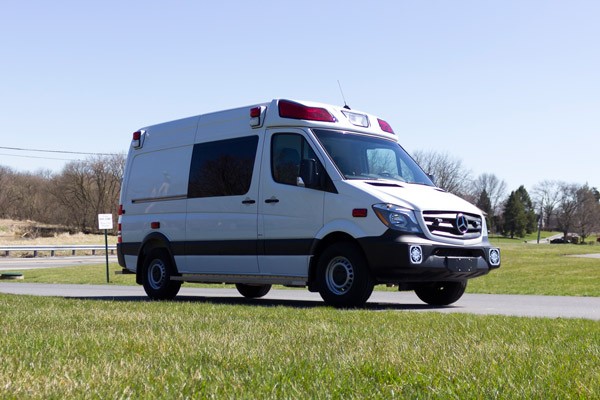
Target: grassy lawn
(57,348)
(543,270)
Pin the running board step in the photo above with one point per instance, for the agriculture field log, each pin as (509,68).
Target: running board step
(248,279)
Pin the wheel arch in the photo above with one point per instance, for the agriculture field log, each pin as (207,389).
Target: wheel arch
(153,241)
(320,246)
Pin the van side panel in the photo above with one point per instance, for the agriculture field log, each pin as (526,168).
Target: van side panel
(221,225)
(156,183)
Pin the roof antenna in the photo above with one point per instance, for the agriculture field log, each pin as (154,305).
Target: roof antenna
(346,106)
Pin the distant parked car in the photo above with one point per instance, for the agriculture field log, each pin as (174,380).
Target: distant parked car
(559,240)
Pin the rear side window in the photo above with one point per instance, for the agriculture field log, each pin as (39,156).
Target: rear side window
(222,168)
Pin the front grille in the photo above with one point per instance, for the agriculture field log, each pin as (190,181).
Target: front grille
(446,224)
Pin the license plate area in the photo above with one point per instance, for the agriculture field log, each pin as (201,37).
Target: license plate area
(461,264)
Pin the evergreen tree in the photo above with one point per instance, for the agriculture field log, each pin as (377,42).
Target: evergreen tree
(485,204)
(529,216)
(515,219)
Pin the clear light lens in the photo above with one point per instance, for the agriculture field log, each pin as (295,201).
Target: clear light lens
(398,218)
(495,257)
(416,254)
(357,119)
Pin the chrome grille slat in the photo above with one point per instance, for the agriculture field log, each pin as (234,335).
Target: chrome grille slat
(443,224)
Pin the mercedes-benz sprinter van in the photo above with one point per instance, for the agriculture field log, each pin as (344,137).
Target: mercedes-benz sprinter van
(293,193)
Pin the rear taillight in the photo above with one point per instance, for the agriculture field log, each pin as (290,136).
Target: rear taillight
(119,226)
(290,109)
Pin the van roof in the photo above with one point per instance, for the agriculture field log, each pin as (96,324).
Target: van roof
(284,112)
(293,113)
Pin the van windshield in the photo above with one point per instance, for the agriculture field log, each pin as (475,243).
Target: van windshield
(370,158)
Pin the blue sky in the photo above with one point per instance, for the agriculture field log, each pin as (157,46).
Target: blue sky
(509,87)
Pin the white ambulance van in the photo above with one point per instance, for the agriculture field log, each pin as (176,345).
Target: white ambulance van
(294,193)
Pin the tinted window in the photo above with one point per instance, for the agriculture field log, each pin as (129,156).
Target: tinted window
(222,168)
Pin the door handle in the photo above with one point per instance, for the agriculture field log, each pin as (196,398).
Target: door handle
(272,200)
(248,201)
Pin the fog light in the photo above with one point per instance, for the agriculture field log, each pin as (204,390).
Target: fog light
(495,257)
(416,254)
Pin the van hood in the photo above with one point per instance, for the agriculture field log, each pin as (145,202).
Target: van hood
(414,196)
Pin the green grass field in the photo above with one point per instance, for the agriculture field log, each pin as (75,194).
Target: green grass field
(59,348)
(70,348)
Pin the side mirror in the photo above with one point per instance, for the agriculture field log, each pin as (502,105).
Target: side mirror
(432,178)
(309,174)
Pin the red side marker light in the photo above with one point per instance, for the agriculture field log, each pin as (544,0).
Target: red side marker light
(257,116)
(385,126)
(155,225)
(359,212)
(255,112)
(137,140)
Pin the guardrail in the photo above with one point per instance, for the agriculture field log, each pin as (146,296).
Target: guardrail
(54,248)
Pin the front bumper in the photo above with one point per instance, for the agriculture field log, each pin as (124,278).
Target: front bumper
(398,258)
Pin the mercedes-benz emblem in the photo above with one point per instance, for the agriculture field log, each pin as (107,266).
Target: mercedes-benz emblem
(462,224)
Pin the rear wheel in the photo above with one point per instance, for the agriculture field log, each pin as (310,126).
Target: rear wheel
(156,277)
(343,276)
(252,291)
(441,293)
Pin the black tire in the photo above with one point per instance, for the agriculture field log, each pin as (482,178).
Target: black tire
(441,293)
(156,276)
(252,291)
(343,276)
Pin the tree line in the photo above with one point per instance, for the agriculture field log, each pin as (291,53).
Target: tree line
(552,205)
(74,197)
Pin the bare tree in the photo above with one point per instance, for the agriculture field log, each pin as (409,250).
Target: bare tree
(448,171)
(72,189)
(494,187)
(106,173)
(546,196)
(7,191)
(567,208)
(587,213)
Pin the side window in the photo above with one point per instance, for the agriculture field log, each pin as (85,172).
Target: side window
(222,168)
(288,151)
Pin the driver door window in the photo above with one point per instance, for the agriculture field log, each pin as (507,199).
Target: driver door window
(287,152)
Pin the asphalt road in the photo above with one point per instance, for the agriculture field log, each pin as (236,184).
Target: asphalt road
(484,304)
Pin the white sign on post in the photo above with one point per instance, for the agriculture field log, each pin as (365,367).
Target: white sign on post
(105,221)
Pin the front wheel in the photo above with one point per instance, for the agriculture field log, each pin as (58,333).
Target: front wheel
(156,276)
(343,276)
(252,291)
(441,293)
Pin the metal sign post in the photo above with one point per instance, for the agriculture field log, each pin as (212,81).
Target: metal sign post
(105,222)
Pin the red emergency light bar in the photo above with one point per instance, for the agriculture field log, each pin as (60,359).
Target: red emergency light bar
(385,126)
(290,109)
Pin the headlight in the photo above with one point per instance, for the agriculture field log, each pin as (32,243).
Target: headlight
(398,218)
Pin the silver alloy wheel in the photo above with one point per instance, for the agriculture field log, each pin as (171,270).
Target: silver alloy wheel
(157,274)
(339,275)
